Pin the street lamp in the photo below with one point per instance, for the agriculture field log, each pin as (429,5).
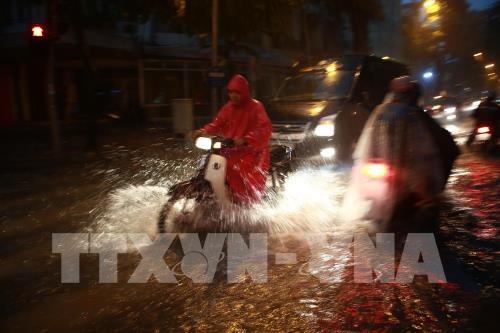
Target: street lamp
(429,3)
(489,66)
(428,75)
(478,56)
(431,6)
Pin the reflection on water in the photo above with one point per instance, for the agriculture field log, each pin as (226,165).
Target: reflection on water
(125,194)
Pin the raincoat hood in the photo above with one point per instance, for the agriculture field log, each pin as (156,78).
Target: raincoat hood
(240,84)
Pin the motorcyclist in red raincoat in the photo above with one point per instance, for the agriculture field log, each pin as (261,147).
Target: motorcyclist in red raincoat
(244,120)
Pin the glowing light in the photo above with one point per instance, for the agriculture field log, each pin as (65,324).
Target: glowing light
(203,143)
(483,137)
(314,111)
(326,129)
(438,97)
(37,31)
(482,130)
(429,3)
(375,170)
(453,129)
(475,104)
(450,109)
(386,58)
(327,152)
(331,68)
(428,75)
(451,117)
(489,66)
(479,54)
(432,6)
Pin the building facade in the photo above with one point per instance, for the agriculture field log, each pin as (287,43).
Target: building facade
(141,67)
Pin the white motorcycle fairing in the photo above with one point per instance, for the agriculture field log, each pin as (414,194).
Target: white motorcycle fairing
(215,174)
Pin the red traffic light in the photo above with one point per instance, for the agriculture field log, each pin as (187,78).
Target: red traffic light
(37,31)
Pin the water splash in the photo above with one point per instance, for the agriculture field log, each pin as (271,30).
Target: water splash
(309,201)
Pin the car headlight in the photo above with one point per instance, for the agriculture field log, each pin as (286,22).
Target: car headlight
(450,109)
(326,126)
(203,143)
(327,152)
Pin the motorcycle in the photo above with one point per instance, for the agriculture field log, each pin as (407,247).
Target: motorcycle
(485,136)
(368,195)
(378,193)
(192,203)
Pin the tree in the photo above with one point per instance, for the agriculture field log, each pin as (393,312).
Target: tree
(492,38)
(446,39)
(359,14)
(239,21)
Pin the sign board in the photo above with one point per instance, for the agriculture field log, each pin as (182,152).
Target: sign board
(216,76)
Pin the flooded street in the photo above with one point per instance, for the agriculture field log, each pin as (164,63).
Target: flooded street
(123,190)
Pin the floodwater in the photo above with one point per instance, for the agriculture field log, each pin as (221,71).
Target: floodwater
(123,191)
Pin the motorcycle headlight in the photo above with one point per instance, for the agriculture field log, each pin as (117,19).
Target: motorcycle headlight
(326,126)
(203,143)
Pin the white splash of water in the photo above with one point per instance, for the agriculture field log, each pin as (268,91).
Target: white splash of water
(309,202)
(132,209)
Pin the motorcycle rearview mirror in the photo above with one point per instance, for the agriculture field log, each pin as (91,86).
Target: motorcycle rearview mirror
(203,143)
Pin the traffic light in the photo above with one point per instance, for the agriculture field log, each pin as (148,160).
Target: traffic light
(38,40)
(38,31)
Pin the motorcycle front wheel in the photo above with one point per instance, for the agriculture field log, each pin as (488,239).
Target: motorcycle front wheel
(176,214)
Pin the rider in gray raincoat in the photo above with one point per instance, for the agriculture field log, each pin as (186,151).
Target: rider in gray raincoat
(402,156)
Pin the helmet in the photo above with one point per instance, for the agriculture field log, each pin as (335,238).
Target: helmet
(400,84)
(404,88)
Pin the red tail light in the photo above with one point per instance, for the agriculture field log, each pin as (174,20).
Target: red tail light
(375,170)
(482,130)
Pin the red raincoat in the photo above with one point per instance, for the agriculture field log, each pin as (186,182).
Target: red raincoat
(247,165)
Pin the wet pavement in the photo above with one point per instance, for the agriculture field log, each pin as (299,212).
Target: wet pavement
(122,191)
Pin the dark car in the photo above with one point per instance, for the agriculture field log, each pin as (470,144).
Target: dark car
(321,110)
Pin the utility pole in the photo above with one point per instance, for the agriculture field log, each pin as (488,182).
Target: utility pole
(307,37)
(215,37)
(51,90)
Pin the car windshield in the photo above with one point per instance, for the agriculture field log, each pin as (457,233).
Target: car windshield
(317,85)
